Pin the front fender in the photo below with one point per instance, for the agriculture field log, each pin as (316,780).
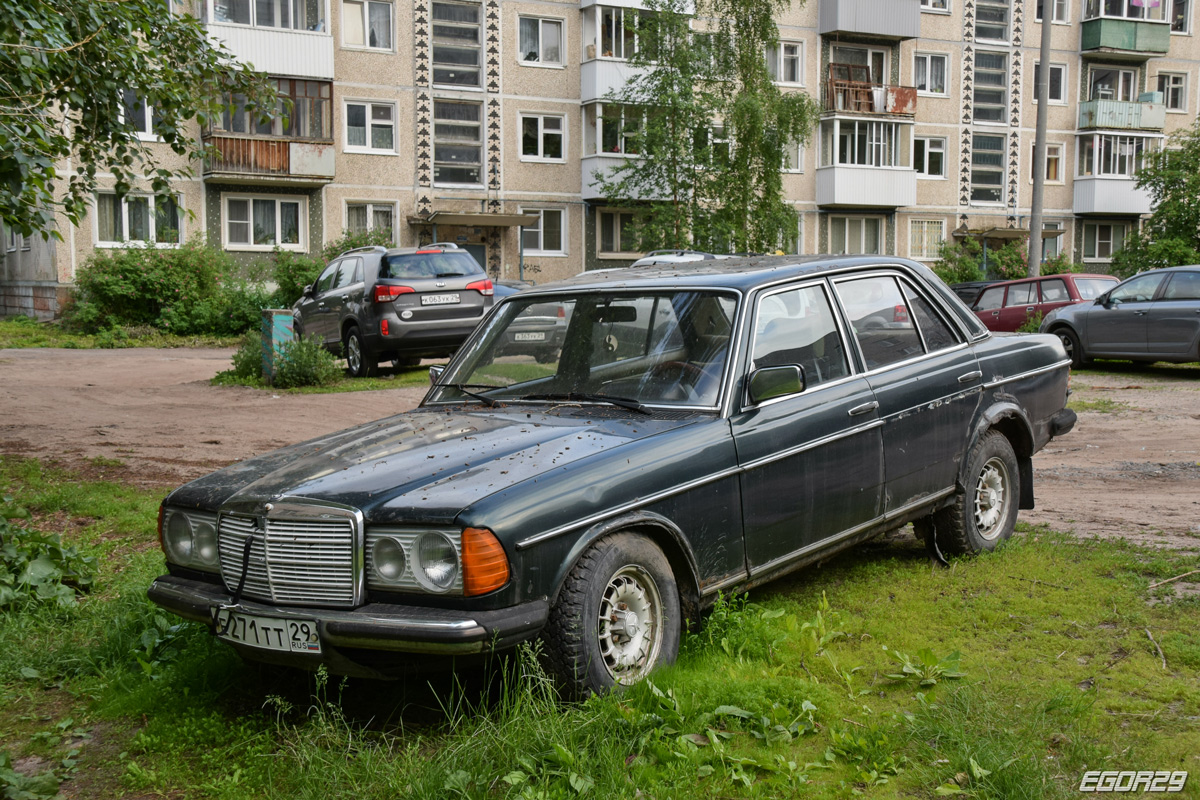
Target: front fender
(1008,417)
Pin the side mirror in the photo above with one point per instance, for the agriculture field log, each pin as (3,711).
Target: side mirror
(435,374)
(308,290)
(770,382)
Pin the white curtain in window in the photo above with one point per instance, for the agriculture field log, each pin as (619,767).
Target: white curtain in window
(108,218)
(381,218)
(289,223)
(380,25)
(139,219)
(264,222)
(530,51)
(356,218)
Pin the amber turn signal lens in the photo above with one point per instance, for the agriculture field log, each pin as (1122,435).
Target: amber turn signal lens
(485,567)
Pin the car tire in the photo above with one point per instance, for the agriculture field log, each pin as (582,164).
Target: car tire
(587,648)
(546,356)
(360,362)
(1070,342)
(984,515)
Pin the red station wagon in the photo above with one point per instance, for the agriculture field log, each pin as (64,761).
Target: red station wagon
(1027,297)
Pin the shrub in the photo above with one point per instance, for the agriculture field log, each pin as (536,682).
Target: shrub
(1060,265)
(352,239)
(233,308)
(958,262)
(247,361)
(291,273)
(1031,324)
(1010,261)
(306,362)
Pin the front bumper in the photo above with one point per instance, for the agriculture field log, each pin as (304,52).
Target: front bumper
(375,626)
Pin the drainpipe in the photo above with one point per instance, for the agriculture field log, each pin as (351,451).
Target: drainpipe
(520,254)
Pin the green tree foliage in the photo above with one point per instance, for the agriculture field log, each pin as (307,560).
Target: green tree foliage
(958,261)
(1172,234)
(65,66)
(1009,261)
(1060,265)
(711,127)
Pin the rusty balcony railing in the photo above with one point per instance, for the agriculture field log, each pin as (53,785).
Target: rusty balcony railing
(241,154)
(859,97)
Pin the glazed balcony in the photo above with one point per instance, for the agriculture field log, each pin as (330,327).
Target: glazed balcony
(242,158)
(1111,195)
(1125,39)
(1122,116)
(853,186)
(602,77)
(882,19)
(279,51)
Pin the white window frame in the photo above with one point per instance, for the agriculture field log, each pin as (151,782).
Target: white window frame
(541,118)
(152,223)
(300,246)
(614,254)
(1005,87)
(366,30)
(913,225)
(990,169)
(13,239)
(1126,78)
(1008,28)
(478,144)
(1094,228)
(862,233)
(371,205)
(147,135)
(1053,225)
(1110,151)
(1094,9)
(795,154)
(210,15)
(1064,83)
(935,6)
(776,58)
(1056,6)
(925,175)
(541,230)
(562,42)
(1183,93)
(928,57)
(1051,147)
(369,107)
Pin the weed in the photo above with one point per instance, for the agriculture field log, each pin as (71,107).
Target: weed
(927,668)
(1103,405)
(37,568)
(247,360)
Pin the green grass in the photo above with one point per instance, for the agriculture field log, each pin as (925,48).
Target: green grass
(785,696)
(398,378)
(1102,405)
(23,332)
(509,373)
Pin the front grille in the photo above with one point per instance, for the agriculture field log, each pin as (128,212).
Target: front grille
(296,562)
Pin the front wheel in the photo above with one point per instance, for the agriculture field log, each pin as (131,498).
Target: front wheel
(1070,342)
(984,515)
(616,618)
(360,362)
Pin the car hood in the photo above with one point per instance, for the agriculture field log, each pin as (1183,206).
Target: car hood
(425,465)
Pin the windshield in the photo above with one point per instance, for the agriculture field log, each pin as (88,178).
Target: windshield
(661,348)
(1091,288)
(434,264)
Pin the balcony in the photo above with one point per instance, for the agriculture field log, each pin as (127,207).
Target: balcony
(599,77)
(859,97)
(241,159)
(1125,39)
(604,163)
(883,19)
(278,51)
(1111,195)
(1122,116)
(853,186)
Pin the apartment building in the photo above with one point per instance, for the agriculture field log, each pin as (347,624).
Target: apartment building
(484,123)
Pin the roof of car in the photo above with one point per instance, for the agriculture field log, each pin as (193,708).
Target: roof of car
(1002,284)
(735,273)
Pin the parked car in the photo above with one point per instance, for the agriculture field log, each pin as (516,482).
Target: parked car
(377,304)
(1154,316)
(1007,305)
(967,292)
(503,288)
(672,450)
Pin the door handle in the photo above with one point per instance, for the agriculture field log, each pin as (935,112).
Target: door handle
(1029,308)
(1140,313)
(970,376)
(865,408)
(995,313)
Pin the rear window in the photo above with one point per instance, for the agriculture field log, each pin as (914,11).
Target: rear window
(441,264)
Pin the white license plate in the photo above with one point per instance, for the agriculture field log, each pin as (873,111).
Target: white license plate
(538,336)
(438,299)
(268,633)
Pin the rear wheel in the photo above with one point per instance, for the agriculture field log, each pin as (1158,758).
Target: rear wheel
(983,515)
(360,362)
(405,362)
(1070,342)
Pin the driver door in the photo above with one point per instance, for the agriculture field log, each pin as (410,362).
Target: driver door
(1118,326)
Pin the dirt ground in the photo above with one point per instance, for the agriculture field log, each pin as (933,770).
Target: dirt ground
(150,417)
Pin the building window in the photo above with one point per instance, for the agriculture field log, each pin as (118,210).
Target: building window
(457,142)
(1109,155)
(1057,90)
(1100,241)
(264,222)
(1181,16)
(925,237)
(541,41)
(855,235)
(367,23)
(370,127)
(935,5)
(1051,245)
(785,62)
(457,44)
(1054,156)
(619,28)
(1173,86)
(136,219)
(309,116)
(546,237)
(930,72)
(1110,83)
(991,87)
(370,217)
(138,114)
(620,129)
(616,232)
(793,157)
(991,19)
(1061,10)
(14,239)
(987,169)
(542,138)
(1125,9)
(861,143)
(929,157)
(711,144)
(296,15)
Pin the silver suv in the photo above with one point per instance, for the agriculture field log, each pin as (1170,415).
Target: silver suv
(402,304)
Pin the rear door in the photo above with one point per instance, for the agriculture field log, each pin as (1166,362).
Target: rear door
(339,297)
(812,462)
(988,306)
(1173,322)
(1118,326)
(1055,294)
(1019,305)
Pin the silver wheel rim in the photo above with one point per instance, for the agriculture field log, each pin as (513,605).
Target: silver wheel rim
(992,498)
(353,353)
(1067,344)
(630,624)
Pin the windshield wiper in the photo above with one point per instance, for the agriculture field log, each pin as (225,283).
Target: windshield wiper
(466,388)
(619,402)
